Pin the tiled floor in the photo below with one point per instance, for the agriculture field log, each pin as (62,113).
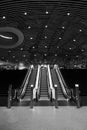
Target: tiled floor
(43,118)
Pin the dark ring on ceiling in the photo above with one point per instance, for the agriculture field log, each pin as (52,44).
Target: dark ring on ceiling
(15,31)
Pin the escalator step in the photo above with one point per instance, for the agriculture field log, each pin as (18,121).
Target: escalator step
(28,91)
(27,94)
(44,91)
(44,96)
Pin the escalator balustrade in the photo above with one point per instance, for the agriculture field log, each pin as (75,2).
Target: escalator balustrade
(57,85)
(43,84)
(40,81)
(31,83)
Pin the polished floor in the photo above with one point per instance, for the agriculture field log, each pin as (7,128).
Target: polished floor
(43,118)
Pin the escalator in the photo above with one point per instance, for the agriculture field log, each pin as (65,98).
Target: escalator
(56,83)
(31,81)
(43,84)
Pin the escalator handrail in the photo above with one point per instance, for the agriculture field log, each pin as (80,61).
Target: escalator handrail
(62,85)
(25,82)
(49,89)
(51,83)
(22,85)
(65,85)
(36,88)
(39,81)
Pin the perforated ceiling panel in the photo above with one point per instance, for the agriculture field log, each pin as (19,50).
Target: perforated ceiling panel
(43,31)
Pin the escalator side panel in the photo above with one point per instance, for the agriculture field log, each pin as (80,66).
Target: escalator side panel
(33,77)
(31,81)
(44,84)
(56,82)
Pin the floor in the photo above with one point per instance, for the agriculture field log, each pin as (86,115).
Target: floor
(43,118)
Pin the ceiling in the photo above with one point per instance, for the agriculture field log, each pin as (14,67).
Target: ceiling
(43,31)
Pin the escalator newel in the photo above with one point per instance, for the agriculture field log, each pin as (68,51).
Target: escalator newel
(36,96)
(9,96)
(77,95)
(51,97)
(31,103)
(56,96)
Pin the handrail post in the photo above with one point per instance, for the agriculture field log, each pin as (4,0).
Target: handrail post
(9,101)
(31,102)
(56,96)
(37,95)
(77,95)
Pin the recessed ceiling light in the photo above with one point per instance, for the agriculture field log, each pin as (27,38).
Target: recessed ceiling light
(45,54)
(80,30)
(68,13)
(33,47)
(9,51)
(77,56)
(82,50)
(29,27)
(24,55)
(46,26)
(45,37)
(31,38)
(74,40)
(47,12)
(45,46)
(57,46)
(13,56)
(60,38)
(21,49)
(25,13)
(55,54)
(3,17)
(63,27)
